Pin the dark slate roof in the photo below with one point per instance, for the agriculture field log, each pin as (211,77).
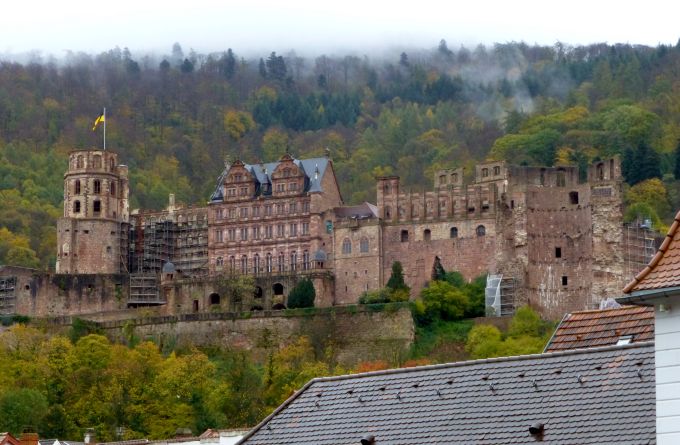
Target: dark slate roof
(313,168)
(587,396)
(361,211)
(587,329)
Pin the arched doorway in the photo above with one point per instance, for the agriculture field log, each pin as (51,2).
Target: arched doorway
(277,288)
(214,299)
(258,293)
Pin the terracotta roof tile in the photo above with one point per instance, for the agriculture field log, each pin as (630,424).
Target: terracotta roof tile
(588,329)
(664,269)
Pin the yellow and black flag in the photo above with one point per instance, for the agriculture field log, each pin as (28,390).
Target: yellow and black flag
(97,121)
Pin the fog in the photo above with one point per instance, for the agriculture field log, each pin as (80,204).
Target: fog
(316,27)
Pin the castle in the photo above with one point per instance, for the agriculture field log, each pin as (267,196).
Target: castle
(546,237)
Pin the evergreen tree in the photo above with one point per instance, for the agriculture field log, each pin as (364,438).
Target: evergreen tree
(229,64)
(302,295)
(187,66)
(276,66)
(647,163)
(396,280)
(262,68)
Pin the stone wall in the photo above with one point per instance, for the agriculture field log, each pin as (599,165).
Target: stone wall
(352,334)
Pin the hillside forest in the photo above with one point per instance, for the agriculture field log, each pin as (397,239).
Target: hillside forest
(174,118)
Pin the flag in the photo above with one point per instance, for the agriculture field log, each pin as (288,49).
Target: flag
(97,121)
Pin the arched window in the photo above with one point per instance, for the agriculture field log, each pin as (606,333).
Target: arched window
(244,264)
(214,299)
(268,264)
(305,260)
(453,233)
(293,260)
(256,263)
(219,261)
(481,230)
(346,246)
(363,245)
(427,235)
(79,161)
(232,263)
(97,161)
(97,207)
(282,262)
(76,206)
(97,186)
(277,288)
(77,187)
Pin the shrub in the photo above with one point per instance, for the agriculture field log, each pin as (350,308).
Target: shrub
(302,295)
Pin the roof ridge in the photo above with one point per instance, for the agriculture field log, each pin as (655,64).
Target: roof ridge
(623,307)
(511,358)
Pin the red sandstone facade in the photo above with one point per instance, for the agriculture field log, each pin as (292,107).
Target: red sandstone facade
(557,239)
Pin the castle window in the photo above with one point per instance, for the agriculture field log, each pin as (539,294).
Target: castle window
(244,264)
(219,235)
(268,210)
(404,236)
(280,187)
(600,172)
(268,232)
(256,211)
(97,161)
(232,234)
(481,230)
(453,233)
(238,178)
(454,178)
(79,161)
(442,179)
(305,207)
(565,280)
(305,228)
(282,262)
(496,171)
(388,189)
(219,262)
(244,234)
(77,187)
(256,263)
(558,252)
(97,186)
(280,230)
(214,299)
(346,246)
(113,189)
(573,197)
(279,209)
(243,212)
(268,262)
(232,263)
(293,230)
(292,186)
(97,207)
(485,172)
(560,178)
(388,212)
(427,235)
(292,208)
(112,165)
(363,245)
(293,260)
(305,260)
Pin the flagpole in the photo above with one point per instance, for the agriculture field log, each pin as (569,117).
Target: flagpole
(104,114)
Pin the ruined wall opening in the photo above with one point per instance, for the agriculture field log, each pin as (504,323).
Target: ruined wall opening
(453,233)
(427,235)
(277,288)
(404,236)
(481,230)
(573,197)
(77,187)
(558,252)
(258,293)
(214,299)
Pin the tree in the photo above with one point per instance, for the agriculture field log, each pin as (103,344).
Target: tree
(396,280)
(443,301)
(262,68)
(20,407)
(676,170)
(187,66)
(403,60)
(302,295)
(229,64)
(438,272)
(651,192)
(276,67)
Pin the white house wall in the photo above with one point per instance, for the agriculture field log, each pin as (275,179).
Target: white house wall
(667,356)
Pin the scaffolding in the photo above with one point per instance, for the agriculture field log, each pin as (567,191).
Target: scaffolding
(144,290)
(7,295)
(639,246)
(500,296)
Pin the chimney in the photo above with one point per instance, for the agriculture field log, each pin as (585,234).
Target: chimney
(28,437)
(171,202)
(90,436)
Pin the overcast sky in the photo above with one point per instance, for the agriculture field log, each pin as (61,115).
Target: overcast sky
(54,27)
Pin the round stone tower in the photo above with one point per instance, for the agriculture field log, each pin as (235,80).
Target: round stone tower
(92,235)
